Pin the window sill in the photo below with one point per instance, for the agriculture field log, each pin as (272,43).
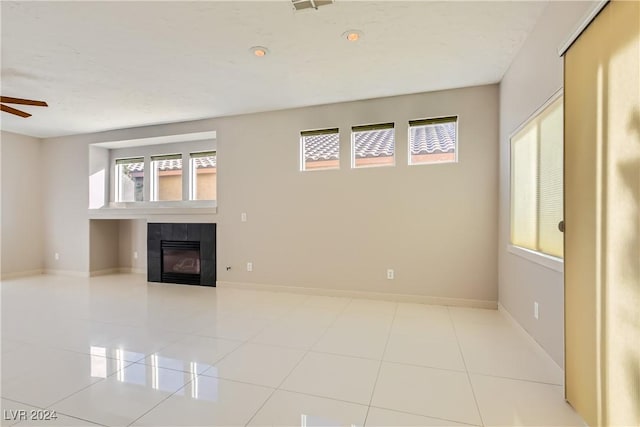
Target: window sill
(552,262)
(135,210)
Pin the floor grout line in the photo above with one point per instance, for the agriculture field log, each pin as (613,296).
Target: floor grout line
(189,382)
(80,418)
(375,383)
(473,392)
(297,364)
(320,396)
(243,343)
(271,311)
(203,373)
(502,377)
(162,401)
(423,416)
(115,372)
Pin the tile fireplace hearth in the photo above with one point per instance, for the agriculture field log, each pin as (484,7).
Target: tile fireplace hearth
(183,253)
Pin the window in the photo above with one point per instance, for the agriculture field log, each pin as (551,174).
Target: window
(432,140)
(536,182)
(203,178)
(129,180)
(320,149)
(166,182)
(373,145)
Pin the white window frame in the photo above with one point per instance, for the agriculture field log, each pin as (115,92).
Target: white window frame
(371,127)
(434,119)
(153,181)
(192,172)
(541,258)
(117,178)
(325,131)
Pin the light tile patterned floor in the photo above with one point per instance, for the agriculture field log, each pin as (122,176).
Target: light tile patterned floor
(117,351)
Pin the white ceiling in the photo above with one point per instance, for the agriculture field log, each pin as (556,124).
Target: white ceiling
(109,65)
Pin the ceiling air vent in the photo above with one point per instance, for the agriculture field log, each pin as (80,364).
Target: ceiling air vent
(309,4)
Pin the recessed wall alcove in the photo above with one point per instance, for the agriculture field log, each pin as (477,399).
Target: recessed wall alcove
(117,246)
(118,226)
(121,245)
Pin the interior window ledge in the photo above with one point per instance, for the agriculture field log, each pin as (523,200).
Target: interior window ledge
(143,209)
(162,204)
(552,262)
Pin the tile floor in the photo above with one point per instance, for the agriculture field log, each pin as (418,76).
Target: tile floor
(117,351)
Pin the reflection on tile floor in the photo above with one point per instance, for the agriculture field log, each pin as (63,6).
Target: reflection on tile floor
(117,351)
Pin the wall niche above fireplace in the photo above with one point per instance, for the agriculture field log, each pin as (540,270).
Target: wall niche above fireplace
(183,253)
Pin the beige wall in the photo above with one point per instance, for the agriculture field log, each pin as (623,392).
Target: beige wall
(66,199)
(341,229)
(132,238)
(533,77)
(21,209)
(114,244)
(103,245)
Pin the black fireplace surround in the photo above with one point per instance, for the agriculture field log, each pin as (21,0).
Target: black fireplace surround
(181,253)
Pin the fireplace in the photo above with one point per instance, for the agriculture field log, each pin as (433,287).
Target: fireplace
(181,253)
(180,262)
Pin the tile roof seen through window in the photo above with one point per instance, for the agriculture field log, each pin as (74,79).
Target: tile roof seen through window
(321,147)
(374,143)
(175,164)
(435,138)
(425,139)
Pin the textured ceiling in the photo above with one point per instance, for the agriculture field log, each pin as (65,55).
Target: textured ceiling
(109,65)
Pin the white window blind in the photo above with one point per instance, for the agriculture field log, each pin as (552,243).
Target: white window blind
(536,182)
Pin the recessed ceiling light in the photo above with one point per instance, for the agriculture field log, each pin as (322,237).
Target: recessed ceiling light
(352,35)
(259,51)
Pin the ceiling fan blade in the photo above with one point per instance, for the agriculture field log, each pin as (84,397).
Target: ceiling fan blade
(10,110)
(9,100)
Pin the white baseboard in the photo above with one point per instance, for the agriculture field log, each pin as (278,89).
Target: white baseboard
(118,270)
(72,273)
(132,270)
(524,332)
(104,272)
(17,274)
(421,299)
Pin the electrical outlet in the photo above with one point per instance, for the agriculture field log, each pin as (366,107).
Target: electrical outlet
(243,217)
(536,313)
(249,266)
(135,254)
(390,274)
(56,256)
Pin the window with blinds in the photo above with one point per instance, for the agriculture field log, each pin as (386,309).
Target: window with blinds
(129,180)
(166,178)
(536,182)
(203,176)
(373,145)
(320,149)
